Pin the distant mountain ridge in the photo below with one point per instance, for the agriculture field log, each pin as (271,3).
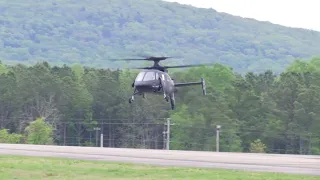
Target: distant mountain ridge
(91,32)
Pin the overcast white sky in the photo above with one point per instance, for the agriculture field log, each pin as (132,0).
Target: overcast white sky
(292,13)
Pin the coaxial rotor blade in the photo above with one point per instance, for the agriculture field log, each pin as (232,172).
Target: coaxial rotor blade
(133,59)
(184,66)
(179,66)
(148,58)
(143,68)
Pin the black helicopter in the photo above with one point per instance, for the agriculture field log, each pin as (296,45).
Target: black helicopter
(156,80)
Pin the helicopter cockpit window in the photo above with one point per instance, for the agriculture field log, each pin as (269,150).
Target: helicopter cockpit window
(150,76)
(140,76)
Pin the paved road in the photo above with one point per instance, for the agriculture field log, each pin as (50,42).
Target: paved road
(297,164)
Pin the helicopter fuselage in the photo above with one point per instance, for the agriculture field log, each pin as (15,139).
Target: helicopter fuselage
(154,81)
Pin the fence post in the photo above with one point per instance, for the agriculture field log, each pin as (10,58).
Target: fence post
(217,137)
(97,135)
(101,140)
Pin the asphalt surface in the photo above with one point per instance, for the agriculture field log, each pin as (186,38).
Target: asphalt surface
(295,164)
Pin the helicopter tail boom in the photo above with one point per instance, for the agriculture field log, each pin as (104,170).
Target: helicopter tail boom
(202,82)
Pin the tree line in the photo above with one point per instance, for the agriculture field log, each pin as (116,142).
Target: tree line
(261,112)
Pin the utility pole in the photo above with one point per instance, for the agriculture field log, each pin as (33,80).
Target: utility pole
(101,134)
(218,137)
(64,133)
(97,135)
(166,134)
(101,140)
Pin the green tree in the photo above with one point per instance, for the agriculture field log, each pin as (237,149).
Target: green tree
(6,137)
(257,146)
(39,132)
(280,110)
(3,69)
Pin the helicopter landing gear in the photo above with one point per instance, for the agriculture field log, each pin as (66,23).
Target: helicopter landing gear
(131,99)
(166,97)
(172,101)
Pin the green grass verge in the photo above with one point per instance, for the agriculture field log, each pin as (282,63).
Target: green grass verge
(34,168)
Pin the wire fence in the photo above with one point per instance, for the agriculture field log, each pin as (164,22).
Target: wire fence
(165,134)
(160,135)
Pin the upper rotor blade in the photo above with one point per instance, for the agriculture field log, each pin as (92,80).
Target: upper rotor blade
(143,68)
(149,58)
(184,66)
(180,66)
(127,59)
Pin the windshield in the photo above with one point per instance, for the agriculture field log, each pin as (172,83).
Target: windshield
(150,76)
(146,76)
(140,76)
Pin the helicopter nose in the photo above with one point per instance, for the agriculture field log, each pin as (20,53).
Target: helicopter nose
(144,87)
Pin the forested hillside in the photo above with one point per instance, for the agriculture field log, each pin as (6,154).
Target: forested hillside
(280,112)
(90,32)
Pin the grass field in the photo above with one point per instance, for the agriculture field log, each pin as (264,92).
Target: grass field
(34,168)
